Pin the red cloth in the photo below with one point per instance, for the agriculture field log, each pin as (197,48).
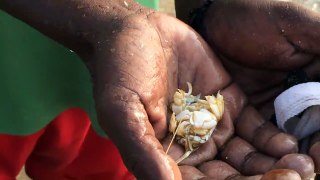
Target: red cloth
(68,148)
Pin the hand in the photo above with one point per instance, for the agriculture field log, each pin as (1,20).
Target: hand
(220,170)
(137,60)
(139,66)
(137,70)
(261,42)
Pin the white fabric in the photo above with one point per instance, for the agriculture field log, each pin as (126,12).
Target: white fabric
(292,102)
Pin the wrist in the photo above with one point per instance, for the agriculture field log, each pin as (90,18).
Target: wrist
(73,23)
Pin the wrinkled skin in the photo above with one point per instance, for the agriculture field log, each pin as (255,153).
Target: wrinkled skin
(137,64)
(162,56)
(259,42)
(152,56)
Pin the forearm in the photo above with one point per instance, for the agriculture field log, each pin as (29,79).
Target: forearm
(74,23)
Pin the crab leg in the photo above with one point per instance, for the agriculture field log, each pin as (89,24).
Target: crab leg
(184,156)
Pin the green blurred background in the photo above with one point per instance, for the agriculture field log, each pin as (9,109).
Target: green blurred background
(23,87)
(40,78)
(150,3)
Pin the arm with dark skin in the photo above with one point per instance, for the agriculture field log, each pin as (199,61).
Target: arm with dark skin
(137,60)
(73,23)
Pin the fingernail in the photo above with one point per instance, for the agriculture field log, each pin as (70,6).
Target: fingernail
(281,174)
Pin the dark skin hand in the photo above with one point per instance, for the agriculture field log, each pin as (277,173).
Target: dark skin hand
(260,42)
(138,59)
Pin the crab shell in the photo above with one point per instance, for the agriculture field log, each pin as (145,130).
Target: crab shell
(194,119)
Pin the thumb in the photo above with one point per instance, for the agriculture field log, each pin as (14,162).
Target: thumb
(122,115)
(281,174)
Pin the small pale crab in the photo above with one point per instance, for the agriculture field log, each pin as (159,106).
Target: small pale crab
(194,119)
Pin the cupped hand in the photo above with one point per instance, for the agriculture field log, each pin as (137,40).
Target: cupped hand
(136,69)
(260,42)
(137,60)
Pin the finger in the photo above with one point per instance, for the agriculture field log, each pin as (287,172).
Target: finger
(244,157)
(200,66)
(234,101)
(136,67)
(300,163)
(205,152)
(203,68)
(263,135)
(124,118)
(191,173)
(314,151)
(196,63)
(221,170)
(281,174)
